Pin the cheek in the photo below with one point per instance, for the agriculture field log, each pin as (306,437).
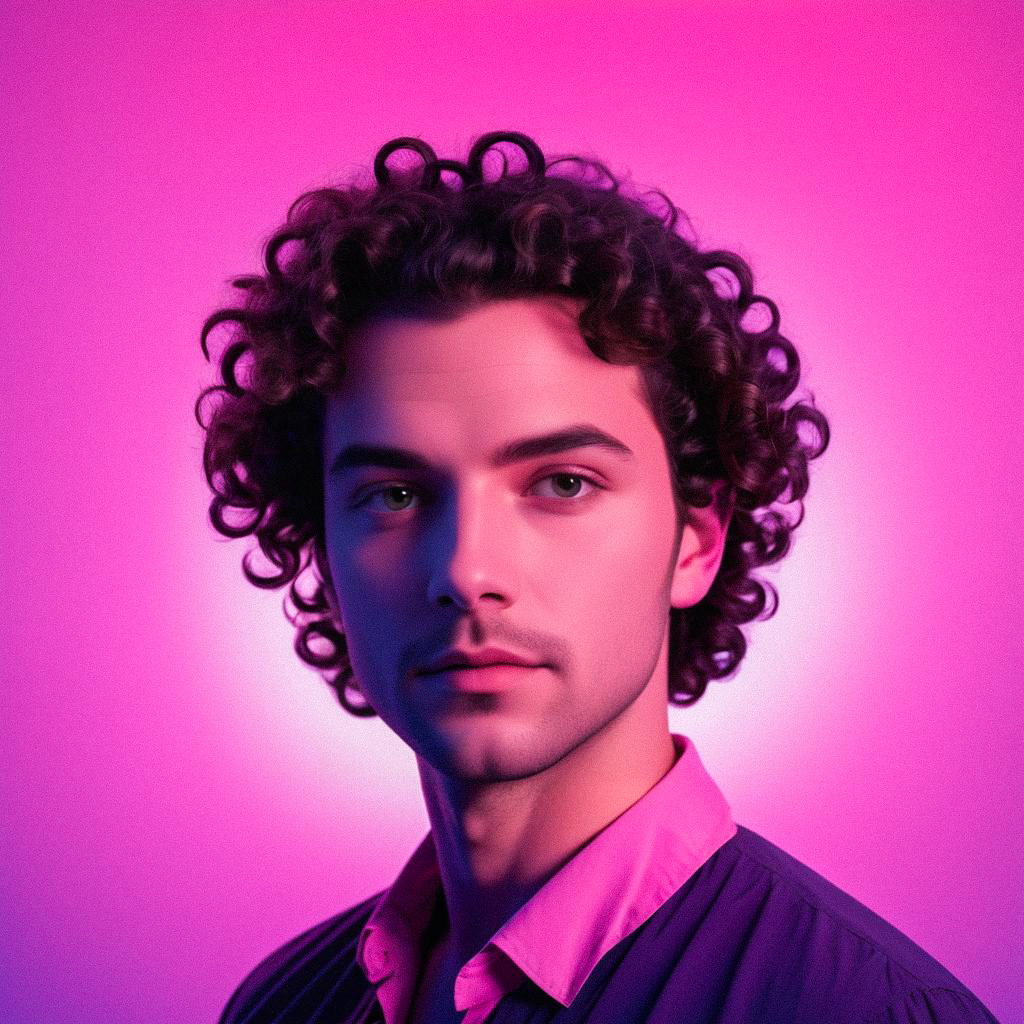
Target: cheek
(615,577)
(626,572)
(365,600)
(376,594)
(630,547)
(361,562)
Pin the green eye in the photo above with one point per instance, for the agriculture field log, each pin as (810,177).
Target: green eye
(391,490)
(565,476)
(575,497)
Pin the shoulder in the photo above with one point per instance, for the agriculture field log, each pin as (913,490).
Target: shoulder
(316,968)
(807,946)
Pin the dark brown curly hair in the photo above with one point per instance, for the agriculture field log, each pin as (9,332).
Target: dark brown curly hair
(415,242)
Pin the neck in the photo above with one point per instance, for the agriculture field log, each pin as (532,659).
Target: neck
(497,843)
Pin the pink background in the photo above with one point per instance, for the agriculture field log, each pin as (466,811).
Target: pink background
(181,794)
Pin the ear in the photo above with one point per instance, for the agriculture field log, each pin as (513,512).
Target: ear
(701,547)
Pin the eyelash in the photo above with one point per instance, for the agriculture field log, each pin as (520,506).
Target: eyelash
(579,499)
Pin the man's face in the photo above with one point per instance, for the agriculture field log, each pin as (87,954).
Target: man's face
(566,558)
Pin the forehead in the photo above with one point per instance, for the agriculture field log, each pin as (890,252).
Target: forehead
(507,367)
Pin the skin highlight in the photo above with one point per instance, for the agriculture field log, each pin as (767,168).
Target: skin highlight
(531,556)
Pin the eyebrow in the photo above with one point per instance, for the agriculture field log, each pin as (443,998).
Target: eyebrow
(579,435)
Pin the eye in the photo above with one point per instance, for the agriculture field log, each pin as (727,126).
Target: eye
(389,489)
(564,481)
(561,479)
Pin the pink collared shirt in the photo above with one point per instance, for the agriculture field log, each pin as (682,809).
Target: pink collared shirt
(613,885)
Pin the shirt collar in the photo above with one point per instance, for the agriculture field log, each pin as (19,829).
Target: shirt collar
(614,884)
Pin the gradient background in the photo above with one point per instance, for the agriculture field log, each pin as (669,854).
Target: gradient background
(180,794)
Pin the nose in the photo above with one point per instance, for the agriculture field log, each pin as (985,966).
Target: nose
(473,551)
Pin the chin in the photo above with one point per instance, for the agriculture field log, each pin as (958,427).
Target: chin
(477,750)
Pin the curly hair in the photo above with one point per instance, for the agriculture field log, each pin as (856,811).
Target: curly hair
(413,242)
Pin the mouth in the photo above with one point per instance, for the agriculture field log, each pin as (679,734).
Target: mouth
(481,678)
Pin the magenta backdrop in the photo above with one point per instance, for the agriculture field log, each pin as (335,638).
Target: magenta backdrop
(181,794)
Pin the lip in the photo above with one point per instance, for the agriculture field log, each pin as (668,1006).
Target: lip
(484,656)
(482,678)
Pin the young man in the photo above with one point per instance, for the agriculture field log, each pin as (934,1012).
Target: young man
(523,436)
